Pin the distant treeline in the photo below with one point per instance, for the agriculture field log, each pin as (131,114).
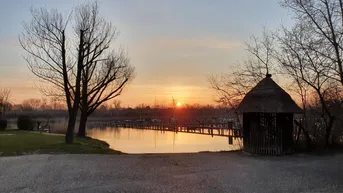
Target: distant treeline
(184,113)
(53,109)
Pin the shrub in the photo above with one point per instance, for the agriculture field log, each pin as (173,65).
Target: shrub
(3,125)
(25,123)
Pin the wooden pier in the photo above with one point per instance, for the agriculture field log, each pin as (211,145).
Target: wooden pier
(213,129)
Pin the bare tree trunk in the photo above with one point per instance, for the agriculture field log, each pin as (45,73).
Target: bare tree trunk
(308,139)
(105,73)
(306,134)
(298,136)
(83,123)
(84,109)
(329,131)
(70,130)
(73,112)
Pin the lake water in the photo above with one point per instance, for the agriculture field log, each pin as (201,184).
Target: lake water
(131,140)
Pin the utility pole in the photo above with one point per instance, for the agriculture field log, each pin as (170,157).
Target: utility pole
(155,108)
(140,112)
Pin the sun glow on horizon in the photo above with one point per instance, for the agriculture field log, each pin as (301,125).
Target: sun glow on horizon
(178,104)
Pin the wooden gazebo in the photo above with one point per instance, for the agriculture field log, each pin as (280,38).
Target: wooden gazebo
(268,119)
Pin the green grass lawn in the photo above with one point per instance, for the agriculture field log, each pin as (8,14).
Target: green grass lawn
(16,142)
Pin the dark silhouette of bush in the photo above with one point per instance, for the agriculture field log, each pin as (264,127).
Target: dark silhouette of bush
(25,123)
(3,125)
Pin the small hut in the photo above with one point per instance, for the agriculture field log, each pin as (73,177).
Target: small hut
(268,119)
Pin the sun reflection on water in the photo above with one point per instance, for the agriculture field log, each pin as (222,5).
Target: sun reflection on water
(131,140)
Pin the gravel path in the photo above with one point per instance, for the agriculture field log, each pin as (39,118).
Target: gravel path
(203,172)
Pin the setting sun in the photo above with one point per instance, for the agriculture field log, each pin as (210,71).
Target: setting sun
(178,104)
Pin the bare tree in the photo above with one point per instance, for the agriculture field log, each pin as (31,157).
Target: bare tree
(4,102)
(231,88)
(44,40)
(323,21)
(116,104)
(228,89)
(105,73)
(333,96)
(300,58)
(262,61)
(56,104)
(309,55)
(31,104)
(314,46)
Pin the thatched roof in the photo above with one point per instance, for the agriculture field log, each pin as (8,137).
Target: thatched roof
(268,97)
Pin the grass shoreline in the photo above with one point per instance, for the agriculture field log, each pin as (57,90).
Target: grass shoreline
(18,142)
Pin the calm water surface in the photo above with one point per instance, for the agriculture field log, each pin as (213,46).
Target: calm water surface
(131,140)
(150,141)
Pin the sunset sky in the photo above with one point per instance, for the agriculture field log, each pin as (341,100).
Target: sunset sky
(173,44)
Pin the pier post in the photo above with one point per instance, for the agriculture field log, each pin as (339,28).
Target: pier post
(230,140)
